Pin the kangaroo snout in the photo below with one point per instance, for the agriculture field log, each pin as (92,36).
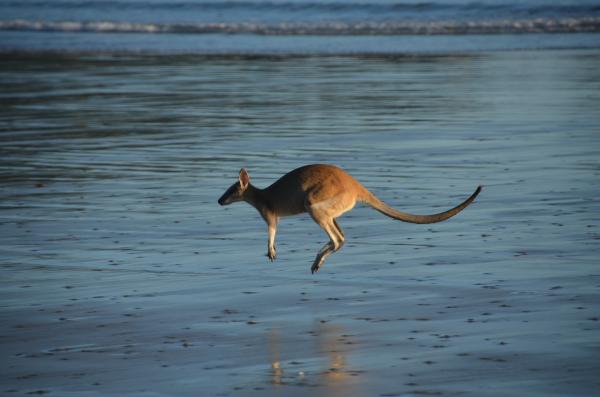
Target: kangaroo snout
(226,199)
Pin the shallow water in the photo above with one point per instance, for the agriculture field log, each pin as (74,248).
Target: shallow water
(122,275)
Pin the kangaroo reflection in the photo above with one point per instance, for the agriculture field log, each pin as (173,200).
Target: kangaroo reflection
(329,344)
(274,345)
(333,344)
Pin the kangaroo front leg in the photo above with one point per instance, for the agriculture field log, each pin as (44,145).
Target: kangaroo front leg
(271,252)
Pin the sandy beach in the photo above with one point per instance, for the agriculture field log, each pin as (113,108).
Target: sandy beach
(121,275)
(228,334)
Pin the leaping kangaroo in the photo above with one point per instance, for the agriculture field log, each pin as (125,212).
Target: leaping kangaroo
(325,192)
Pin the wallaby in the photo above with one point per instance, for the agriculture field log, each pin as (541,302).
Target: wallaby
(325,192)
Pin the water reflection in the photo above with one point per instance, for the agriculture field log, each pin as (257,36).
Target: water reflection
(330,345)
(333,343)
(274,353)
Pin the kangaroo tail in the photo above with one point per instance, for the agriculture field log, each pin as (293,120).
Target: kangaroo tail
(370,199)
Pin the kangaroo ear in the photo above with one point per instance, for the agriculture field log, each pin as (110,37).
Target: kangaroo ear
(244,178)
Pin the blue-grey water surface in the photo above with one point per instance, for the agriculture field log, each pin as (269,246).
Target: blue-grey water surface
(122,276)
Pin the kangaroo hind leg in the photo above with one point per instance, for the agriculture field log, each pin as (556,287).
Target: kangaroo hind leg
(336,239)
(339,229)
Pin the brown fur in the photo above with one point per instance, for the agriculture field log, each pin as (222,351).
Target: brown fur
(325,192)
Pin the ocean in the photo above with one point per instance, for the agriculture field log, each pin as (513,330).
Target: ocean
(296,26)
(123,122)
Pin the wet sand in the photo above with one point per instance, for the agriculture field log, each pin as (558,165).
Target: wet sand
(166,333)
(122,276)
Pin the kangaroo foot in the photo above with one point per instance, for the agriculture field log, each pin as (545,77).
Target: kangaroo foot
(317,264)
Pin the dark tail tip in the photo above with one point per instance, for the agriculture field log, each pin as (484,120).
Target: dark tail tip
(474,195)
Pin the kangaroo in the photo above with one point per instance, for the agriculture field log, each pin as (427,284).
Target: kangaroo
(325,192)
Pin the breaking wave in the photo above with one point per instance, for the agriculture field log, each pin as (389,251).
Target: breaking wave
(503,26)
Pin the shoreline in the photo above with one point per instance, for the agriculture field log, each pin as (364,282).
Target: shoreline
(26,54)
(248,45)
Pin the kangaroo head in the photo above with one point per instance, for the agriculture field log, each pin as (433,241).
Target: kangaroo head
(237,190)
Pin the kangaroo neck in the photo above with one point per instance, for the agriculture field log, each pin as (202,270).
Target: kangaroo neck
(256,198)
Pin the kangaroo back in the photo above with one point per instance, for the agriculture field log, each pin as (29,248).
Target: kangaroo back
(369,198)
